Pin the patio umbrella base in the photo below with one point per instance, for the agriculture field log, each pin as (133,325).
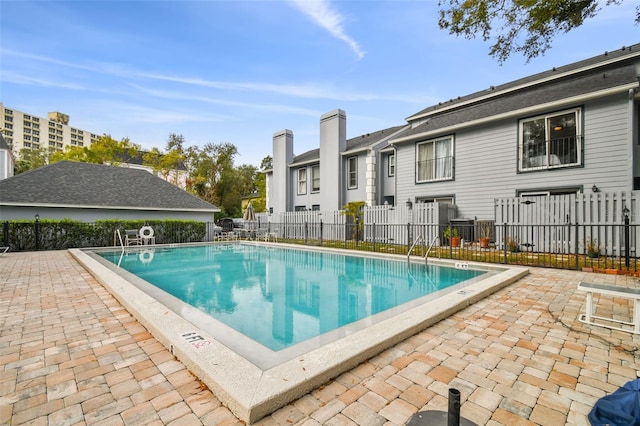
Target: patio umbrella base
(435,418)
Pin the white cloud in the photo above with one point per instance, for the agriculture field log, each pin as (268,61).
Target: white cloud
(321,12)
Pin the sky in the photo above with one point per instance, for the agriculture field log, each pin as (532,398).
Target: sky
(239,71)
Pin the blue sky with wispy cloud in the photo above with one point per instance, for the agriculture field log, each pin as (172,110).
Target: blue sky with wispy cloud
(238,71)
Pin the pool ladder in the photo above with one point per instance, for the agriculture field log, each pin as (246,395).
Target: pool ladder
(417,240)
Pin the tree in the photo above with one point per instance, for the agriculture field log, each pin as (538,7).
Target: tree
(31,159)
(167,163)
(353,210)
(104,150)
(525,26)
(212,176)
(260,203)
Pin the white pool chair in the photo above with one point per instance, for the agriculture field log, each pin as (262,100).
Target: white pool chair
(132,237)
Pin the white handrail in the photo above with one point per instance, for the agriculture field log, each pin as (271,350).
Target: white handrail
(436,238)
(117,232)
(420,238)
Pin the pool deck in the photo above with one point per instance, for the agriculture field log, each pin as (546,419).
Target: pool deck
(71,354)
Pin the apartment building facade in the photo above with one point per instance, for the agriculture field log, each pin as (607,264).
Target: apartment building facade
(23,130)
(567,130)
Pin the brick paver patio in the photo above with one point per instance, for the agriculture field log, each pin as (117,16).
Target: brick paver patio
(70,354)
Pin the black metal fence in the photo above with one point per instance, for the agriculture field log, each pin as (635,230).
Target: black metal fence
(604,248)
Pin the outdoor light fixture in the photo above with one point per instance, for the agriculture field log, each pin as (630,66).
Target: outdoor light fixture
(594,188)
(37,217)
(626,211)
(409,204)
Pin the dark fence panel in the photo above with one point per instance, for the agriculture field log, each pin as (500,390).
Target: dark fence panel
(567,246)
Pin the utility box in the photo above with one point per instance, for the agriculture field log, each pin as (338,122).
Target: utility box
(465,228)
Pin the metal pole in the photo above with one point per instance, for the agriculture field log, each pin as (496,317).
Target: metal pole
(626,238)
(37,233)
(575,245)
(454,408)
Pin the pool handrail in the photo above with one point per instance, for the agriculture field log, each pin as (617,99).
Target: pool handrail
(416,241)
(436,238)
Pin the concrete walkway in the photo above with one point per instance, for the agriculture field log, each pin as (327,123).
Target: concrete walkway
(70,354)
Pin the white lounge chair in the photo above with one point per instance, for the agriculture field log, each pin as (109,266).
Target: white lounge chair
(132,237)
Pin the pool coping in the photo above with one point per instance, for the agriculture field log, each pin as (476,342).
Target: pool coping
(252,393)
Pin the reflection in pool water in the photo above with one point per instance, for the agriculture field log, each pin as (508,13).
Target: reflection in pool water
(280,296)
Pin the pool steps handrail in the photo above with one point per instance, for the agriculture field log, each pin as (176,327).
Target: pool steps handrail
(417,240)
(436,238)
(119,235)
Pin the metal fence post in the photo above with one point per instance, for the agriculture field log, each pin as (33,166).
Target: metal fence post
(5,233)
(408,236)
(321,225)
(37,231)
(575,244)
(505,238)
(306,232)
(626,237)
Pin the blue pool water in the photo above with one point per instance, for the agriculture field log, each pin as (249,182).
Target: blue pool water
(280,297)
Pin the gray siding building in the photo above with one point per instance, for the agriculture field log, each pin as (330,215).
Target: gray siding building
(567,130)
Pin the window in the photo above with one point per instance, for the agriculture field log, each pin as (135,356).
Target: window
(315,178)
(434,160)
(551,141)
(352,172)
(392,165)
(442,200)
(302,181)
(315,207)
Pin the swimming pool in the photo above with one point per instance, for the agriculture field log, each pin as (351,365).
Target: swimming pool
(280,297)
(248,376)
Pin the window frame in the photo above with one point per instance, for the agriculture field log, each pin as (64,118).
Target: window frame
(302,180)
(391,165)
(420,164)
(315,178)
(352,172)
(551,160)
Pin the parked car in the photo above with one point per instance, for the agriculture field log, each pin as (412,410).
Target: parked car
(231,224)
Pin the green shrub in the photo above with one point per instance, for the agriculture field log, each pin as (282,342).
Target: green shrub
(67,233)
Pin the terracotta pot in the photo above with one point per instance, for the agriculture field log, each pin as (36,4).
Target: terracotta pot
(484,242)
(455,241)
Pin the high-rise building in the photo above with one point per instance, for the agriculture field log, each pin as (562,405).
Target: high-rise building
(23,130)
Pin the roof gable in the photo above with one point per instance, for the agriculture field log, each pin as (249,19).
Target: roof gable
(69,183)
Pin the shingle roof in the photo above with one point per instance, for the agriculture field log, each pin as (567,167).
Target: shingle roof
(310,155)
(72,184)
(362,141)
(592,79)
(599,60)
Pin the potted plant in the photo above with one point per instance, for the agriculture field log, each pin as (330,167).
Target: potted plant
(592,249)
(513,245)
(485,229)
(451,235)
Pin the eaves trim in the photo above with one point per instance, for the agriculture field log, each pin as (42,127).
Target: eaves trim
(75,206)
(520,87)
(515,113)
